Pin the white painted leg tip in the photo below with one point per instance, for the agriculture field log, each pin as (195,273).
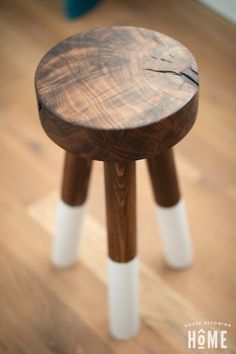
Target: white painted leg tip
(175,236)
(67,235)
(123,291)
(63,265)
(125,336)
(179,266)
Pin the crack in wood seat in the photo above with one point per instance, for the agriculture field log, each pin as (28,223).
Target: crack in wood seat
(117,93)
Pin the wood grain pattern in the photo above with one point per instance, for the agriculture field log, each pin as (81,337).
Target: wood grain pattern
(51,317)
(117,93)
(120,186)
(30,173)
(164,179)
(75,179)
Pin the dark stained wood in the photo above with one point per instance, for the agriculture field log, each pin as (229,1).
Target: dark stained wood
(117,93)
(120,186)
(164,179)
(75,179)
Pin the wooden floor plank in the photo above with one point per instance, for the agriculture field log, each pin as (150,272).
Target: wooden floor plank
(37,320)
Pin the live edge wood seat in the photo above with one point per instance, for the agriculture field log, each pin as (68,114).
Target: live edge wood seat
(119,94)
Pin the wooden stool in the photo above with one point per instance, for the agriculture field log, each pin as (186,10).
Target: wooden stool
(119,94)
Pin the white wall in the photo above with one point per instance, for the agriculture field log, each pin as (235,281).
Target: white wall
(225,8)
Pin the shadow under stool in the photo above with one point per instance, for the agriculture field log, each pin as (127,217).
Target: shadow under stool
(117,95)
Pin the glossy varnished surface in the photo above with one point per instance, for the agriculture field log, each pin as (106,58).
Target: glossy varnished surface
(117,93)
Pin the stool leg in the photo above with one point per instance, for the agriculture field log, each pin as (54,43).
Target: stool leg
(174,229)
(123,289)
(70,210)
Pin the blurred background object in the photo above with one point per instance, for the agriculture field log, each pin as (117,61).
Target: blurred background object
(43,310)
(76,8)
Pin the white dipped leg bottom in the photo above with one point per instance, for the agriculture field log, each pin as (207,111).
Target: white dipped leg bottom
(123,296)
(175,235)
(67,233)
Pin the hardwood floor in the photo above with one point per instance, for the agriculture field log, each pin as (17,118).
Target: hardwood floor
(44,310)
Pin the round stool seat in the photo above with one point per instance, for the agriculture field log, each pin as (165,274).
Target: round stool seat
(117,93)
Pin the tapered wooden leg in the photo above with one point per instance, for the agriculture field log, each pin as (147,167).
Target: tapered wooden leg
(123,289)
(171,212)
(70,210)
